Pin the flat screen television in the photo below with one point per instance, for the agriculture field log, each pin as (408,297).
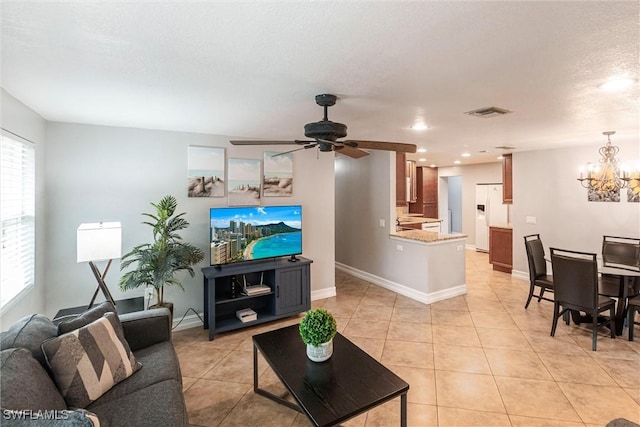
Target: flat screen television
(254,232)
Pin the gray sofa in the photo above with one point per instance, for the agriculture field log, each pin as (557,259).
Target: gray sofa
(152,396)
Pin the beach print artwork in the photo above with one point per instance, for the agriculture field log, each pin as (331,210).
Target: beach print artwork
(250,233)
(205,172)
(243,185)
(277,179)
(604,193)
(633,192)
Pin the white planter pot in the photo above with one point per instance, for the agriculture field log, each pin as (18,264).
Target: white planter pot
(321,353)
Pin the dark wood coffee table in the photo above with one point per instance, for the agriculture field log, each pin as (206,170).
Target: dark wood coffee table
(348,384)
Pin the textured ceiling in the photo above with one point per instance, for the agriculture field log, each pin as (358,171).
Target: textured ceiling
(251,69)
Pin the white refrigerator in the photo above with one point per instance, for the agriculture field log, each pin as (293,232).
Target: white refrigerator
(489,211)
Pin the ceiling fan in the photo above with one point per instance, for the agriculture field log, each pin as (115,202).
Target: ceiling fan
(325,135)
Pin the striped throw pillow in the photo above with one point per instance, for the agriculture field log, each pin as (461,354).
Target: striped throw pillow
(90,360)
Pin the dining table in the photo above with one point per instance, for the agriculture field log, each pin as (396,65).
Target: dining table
(629,275)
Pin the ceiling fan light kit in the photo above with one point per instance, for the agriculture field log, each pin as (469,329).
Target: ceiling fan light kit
(325,135)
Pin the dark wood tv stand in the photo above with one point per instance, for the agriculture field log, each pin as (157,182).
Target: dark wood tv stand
(290,294)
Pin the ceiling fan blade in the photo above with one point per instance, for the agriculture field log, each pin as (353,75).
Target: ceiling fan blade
(249,142)
(354,153)
(296,149)
(382,145)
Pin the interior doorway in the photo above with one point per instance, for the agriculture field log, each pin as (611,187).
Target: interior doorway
(453,203)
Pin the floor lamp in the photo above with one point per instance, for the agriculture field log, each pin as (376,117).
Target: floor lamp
(101,241)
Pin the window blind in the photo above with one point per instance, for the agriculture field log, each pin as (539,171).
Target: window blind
(17,216)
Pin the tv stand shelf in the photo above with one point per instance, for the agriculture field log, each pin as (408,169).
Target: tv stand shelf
(241,298)
(290,284)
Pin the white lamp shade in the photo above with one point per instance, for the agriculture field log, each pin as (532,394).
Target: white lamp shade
(99,241)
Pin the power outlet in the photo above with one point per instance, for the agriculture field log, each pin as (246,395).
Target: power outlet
(531,220)
(382,222)
(399,248)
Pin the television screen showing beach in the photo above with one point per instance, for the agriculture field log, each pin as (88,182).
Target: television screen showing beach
(250,233)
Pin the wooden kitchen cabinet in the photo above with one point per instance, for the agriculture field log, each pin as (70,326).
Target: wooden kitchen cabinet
(401,181)
(501,248)
(427,197)
(410,178)
(507,179)
(429,192)
(416,206)
(426,185)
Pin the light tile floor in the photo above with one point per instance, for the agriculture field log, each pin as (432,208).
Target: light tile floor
(474,360)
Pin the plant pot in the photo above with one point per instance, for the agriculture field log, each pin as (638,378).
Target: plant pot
(168,305)
(320,353)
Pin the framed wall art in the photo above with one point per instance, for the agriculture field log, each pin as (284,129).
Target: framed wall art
(604,192)
(243,184)
(633,192)
(277,178)
(205,171)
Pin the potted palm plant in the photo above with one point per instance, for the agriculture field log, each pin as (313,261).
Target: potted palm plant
(157,263)
(317,329)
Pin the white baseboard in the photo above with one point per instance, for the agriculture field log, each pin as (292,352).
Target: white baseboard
(522,275)
(470,247)
(423,297)
(189,322)
(323,293)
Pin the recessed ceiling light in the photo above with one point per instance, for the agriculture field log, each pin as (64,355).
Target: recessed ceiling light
(432,165)
(500,157)
(466,155)
(422,150)
(614,85)
(457,162)
(422,160)
(419,126)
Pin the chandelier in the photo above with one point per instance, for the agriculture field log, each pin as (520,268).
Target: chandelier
(606,176)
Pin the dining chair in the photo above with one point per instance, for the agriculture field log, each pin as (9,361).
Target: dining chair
(634,305)
(537,268)
(621,252)
(575,278)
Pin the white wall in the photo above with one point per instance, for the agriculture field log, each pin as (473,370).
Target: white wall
(20,119)
(365,195)
(363,198)
(471,175)
(98,173)
(545,186)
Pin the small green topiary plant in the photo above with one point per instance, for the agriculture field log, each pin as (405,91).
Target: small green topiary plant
(317,327)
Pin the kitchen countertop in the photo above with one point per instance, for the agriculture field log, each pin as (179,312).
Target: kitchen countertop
(416,220)
(426,236)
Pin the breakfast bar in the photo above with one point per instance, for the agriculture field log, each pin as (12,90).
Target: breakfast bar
(436,262)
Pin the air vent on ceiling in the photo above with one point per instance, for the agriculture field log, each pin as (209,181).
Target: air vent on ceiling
(505,147)
(488,112)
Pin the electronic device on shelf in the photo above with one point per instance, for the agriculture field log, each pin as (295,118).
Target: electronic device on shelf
(258,289)
(246,315)
(250,233)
